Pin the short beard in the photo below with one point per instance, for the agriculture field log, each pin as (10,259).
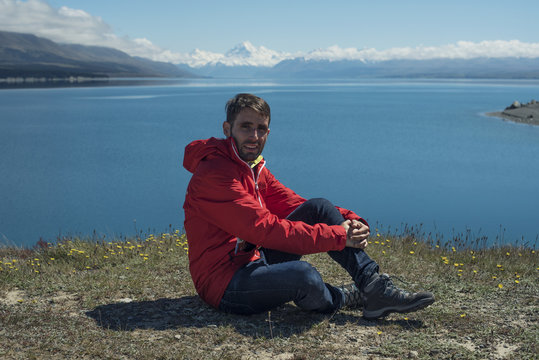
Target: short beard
(245,157)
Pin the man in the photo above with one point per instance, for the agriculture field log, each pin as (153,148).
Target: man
(247,231)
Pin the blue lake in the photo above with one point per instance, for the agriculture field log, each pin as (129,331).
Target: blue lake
(108,159)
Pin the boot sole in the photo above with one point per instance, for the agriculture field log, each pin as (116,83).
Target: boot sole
(383,312)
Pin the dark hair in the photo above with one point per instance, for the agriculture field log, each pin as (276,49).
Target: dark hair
(243,101)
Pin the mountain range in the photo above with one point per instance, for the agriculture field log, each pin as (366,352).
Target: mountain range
(314,65)
(27,56)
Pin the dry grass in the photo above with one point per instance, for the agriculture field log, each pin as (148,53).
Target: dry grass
(134,299)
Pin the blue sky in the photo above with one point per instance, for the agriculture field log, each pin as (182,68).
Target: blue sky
(305,25)
(284,26)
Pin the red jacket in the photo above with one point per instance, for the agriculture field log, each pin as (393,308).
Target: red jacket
(227,200)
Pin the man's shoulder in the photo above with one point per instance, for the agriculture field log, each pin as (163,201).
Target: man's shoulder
(217,164)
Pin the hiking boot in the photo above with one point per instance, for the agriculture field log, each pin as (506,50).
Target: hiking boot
(352,296)
(381,297)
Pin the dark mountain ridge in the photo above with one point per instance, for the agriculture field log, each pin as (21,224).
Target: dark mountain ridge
(27,56)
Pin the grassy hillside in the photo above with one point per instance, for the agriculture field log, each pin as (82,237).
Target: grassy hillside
(134,299)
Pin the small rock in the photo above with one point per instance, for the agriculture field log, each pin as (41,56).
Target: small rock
(352,339)
(413,354)
(514,105)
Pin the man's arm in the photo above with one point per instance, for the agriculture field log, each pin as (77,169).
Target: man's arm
(224,202)
(279,199)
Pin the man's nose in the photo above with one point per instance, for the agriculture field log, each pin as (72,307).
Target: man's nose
(254,133)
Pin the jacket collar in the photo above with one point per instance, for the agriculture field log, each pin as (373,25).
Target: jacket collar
(235,153)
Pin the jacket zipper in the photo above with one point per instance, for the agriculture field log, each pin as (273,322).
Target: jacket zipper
(255,179)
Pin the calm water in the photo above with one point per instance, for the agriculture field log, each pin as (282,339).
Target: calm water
(397,152)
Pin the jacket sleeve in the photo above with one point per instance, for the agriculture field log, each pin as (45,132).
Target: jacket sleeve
(223,201)
(279,199)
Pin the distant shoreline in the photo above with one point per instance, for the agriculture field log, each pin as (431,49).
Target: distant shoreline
(44,83)
(519,113)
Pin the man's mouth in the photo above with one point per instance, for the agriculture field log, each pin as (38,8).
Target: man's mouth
(251,147)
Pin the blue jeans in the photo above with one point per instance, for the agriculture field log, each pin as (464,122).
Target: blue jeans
(279,277)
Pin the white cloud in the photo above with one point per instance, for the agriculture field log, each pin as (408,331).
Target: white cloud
(66,25)
(334,53)
(460,50)
(198,58)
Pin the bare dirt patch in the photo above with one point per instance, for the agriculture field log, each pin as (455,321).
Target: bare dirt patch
(13,297)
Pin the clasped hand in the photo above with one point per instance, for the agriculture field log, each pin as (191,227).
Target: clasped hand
(356,233)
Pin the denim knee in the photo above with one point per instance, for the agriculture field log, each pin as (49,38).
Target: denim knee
(319,201)
(308,279)
(317,210)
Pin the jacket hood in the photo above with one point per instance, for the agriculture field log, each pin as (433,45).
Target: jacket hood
(198,150)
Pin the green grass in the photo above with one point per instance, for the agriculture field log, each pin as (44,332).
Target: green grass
(134,299)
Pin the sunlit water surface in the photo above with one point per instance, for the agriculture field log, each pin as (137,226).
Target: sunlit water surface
(75,161)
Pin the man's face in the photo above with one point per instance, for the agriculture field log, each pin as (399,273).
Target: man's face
(249,131)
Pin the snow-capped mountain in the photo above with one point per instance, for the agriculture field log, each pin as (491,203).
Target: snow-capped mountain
(487,59)
(243,54)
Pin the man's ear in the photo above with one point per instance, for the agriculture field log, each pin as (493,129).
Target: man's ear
(226,128)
